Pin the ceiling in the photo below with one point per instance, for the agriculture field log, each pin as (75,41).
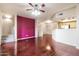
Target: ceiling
(20,9)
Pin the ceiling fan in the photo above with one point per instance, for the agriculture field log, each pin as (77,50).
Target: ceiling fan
(36,7)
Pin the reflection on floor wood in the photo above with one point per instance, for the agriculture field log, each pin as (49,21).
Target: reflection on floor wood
(28,48)
(61,49)
(7,49)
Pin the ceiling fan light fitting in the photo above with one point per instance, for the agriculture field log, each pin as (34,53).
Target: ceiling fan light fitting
(36,13)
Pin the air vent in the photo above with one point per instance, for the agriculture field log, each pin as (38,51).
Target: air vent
(61,14)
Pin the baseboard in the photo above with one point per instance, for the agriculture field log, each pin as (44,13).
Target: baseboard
(77,47)
(65,44)
(26,38)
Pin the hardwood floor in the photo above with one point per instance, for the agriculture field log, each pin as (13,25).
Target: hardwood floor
(28,48)
(60,49)
(65,50)
(7,49)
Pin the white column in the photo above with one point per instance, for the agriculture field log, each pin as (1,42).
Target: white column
(0,26)
(15,30)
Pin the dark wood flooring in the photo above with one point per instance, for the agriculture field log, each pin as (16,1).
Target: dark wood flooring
(65,50)
(7,49)
(28,48)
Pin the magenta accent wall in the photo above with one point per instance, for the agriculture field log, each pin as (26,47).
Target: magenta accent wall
(25,27)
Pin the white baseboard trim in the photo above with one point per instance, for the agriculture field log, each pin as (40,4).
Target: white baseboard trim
(26,38)
(66,43)
(77,47)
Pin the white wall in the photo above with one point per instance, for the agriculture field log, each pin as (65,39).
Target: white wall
(77,40)
(66,36)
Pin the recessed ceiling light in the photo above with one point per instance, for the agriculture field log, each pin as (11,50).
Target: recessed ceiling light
(8,20)
(8,16)
(48,21)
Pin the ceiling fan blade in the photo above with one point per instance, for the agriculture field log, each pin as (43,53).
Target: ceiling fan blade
(42,10)
(30,4)
(28,9)
(43,5)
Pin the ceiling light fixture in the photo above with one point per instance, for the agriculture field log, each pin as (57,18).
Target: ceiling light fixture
(8,20)
(48,21)
(36,13)
(8,16)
